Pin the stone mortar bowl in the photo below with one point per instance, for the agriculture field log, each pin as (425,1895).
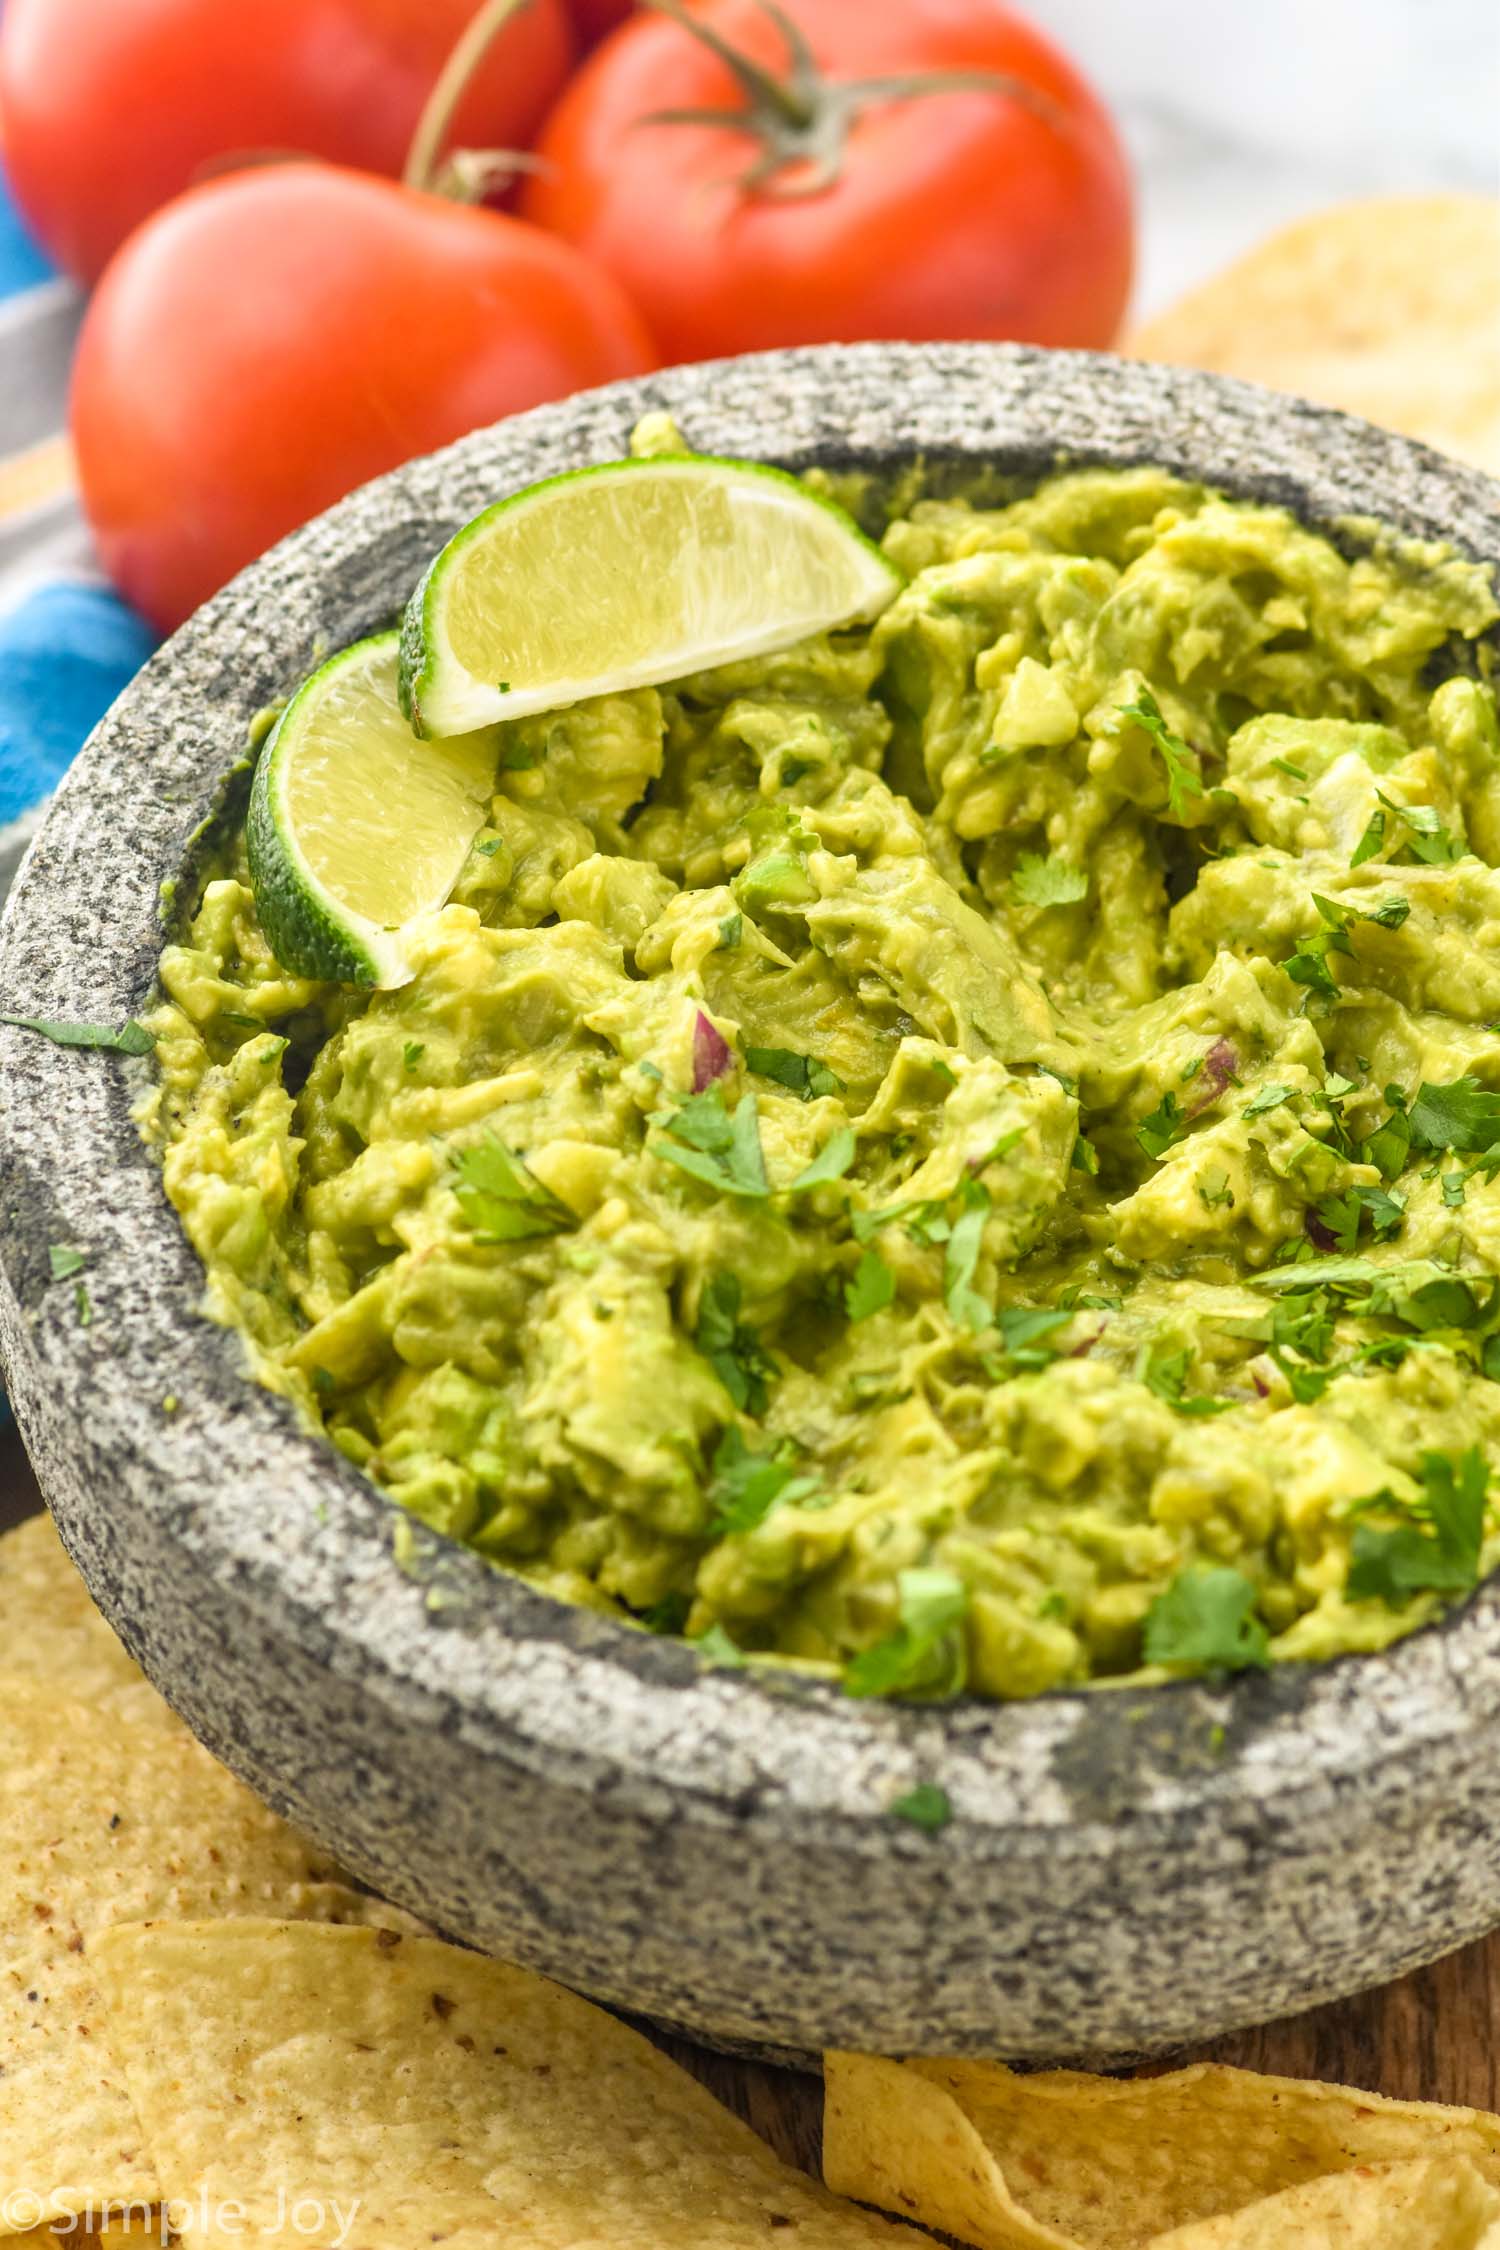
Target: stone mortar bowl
(1126,1870)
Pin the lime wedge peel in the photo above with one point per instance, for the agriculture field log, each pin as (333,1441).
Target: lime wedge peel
(623,576)
(355,830)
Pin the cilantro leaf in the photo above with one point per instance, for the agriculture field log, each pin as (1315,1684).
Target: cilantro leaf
(925,1654)
(716,1647)
(802,1075)
(1343,1215)
(733,1350)
(711,1144)
(64,1261)
(1372,839)
(1166,1124)
(926,1806)
(1462,1115)
(669,1615)
(1390,914)
(502,1200)
(1389,1146)
(1085,1157)
(1049,881)
(1023,1329)
(1269,1097)
(748,1484)
(871,1289)
(1436,1542)
(132,1038)
(965,1241)
(831,1162)
(1426,838)
(1206,1617)
(1184,779)
(1166,1376)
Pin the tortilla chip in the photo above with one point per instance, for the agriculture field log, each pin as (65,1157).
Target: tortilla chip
(51,1631)
(1389,308)
(1063,2161)
(449,2097)
(102,1823)
(1436,2203)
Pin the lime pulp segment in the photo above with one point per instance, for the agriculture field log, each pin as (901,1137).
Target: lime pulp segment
(627,575)
(356,829)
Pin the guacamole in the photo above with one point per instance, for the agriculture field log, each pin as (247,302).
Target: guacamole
(965,1154)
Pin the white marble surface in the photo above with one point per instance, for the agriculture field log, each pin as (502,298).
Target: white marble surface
(1242,114)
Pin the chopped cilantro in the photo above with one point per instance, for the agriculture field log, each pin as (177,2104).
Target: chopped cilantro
(925,1654)
(83,1306)
(1023,1328)
(502,1200)
(1269,1097)
(1166,1124)
(488,846)
(926,1807)
(803,1075)
(747,1484)
(1453,1190)
(733,1350)
(1389,1146)
(1462,1115)
(1343,1214)
(412,1053)
(1167,1374)
(965,1241)
(716,1647)
(669,1615)
(871,1289)
(1206,1618)
(1372,839)
(731,930)
(1184,778)
(1427,839)
(1390,914)
(1309,964)
(132,1038)
(1434,1545)
(1049,881)
(721,1149)
(65,1262)
(1284,765)
(831,1162)
(1085,1157)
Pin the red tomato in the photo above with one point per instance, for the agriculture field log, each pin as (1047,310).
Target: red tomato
(946,213)
(595,17)
(111,107)
(277,336)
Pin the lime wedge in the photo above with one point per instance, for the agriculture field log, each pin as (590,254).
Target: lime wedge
(624,575)
(356,829)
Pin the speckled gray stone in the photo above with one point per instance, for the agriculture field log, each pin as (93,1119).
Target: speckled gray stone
(1126,1870)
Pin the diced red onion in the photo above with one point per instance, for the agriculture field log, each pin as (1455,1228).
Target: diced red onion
(712,1054)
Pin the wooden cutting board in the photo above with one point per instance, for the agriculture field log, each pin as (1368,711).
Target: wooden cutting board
(1430,2037)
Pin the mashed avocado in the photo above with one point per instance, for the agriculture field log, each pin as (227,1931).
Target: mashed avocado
(965,1153)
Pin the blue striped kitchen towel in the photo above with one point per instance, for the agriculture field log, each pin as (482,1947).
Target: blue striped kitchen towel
(67,646)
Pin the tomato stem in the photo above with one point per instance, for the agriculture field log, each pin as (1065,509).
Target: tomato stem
(803,118)
(452,83)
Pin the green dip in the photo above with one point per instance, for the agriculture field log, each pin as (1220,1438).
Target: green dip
(963,1154)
